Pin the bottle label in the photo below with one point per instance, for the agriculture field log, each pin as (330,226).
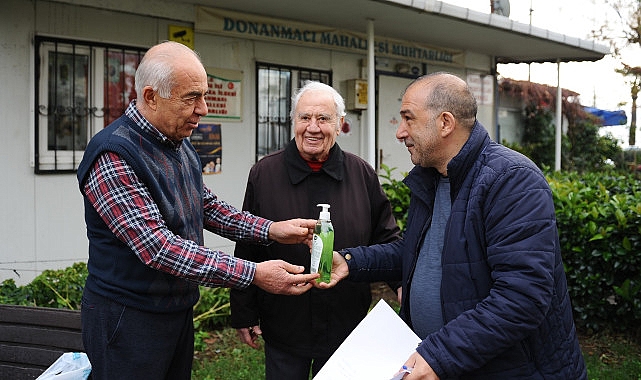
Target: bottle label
(317,250)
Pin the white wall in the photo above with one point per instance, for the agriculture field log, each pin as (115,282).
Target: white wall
(17,183)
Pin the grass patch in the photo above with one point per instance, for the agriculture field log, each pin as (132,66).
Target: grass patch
(611,357)
(224,356)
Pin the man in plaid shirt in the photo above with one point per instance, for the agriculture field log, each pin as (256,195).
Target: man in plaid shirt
(145,208)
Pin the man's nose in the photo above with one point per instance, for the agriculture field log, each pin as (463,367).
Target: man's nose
(313,124)
(401,131)
(201,106)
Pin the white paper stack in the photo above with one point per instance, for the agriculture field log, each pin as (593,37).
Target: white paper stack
(376,349)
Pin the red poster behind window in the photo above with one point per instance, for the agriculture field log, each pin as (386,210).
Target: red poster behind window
(119,83)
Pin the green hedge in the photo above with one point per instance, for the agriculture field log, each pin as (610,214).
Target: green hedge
(60,289)
(397,193)
(599,219)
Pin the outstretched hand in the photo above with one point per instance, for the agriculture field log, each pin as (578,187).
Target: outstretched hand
(292,231)
(340,270)
(281,277)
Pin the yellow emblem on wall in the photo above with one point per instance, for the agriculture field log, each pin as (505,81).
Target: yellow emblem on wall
(182,34)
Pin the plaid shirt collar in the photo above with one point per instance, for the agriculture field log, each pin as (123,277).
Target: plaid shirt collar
(134,114)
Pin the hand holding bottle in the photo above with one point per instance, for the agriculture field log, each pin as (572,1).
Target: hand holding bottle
(281,277)
(340,270)
(292,231)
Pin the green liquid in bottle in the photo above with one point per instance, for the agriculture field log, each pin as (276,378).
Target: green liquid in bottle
(323,246)
(324,231)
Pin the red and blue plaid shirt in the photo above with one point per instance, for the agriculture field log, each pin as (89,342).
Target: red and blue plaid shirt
(126,206)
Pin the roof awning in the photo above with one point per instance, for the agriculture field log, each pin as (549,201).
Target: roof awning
(430,22)
(608,117)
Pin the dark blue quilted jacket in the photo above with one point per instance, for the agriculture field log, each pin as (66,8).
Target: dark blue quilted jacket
(504,292)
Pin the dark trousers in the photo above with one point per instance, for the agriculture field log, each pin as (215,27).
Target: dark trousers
(124,343)
(281,365)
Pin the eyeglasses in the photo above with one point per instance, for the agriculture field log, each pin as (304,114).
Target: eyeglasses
(321,120)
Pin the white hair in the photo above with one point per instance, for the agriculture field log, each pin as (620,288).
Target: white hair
(314,85)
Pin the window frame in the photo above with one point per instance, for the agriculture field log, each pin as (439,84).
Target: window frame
(297,78)
(89,116)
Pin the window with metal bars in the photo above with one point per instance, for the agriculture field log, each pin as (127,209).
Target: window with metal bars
(81,87)
(275,85)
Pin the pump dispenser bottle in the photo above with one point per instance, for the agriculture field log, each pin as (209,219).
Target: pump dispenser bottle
(323,245)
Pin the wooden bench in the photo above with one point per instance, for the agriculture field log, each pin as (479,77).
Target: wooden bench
(32,338)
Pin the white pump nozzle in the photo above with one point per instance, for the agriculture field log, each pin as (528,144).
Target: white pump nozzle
(324,214)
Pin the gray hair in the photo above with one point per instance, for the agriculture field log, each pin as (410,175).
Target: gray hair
(157,69)
(314,85)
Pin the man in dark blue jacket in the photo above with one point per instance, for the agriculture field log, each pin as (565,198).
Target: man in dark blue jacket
(483,281)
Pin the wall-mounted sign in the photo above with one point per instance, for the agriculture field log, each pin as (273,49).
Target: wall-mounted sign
(224,98)
(229,23)
(208,143)
(182,34)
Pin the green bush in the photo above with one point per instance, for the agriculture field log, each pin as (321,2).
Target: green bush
(599,221)
(60,289)
(397,193)
(539,135)
(212,311)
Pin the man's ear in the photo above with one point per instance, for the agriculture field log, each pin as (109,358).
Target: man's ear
(340,125)
(448,122)
(150,97)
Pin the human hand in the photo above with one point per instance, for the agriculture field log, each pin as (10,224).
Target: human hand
(249,335)
(420,369)
(340,270)
(281,277)
(292,231)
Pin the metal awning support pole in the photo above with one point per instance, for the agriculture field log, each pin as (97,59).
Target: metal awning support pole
(559,115)
(371,93)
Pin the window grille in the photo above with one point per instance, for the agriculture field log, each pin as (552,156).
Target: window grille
(275,85)
(81,87)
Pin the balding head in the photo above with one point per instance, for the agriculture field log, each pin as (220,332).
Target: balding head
(171,84)
(445,92)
